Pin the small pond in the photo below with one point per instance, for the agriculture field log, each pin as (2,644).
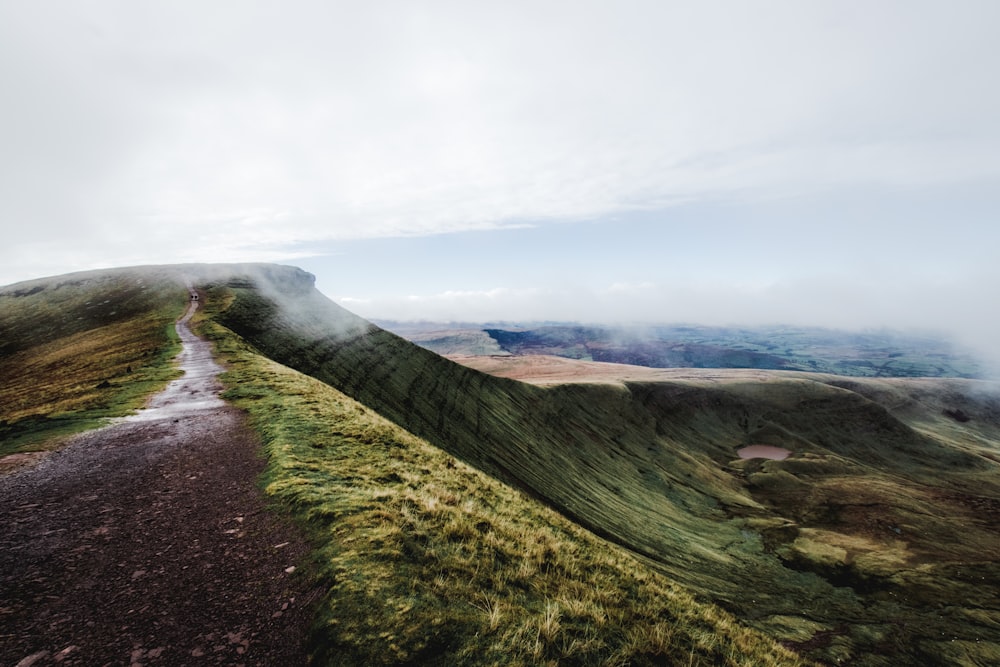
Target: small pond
(764,452)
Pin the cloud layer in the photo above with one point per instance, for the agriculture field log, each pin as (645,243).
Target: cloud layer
(255,126)
(231,131)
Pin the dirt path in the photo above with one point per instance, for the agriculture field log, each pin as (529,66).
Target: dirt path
(148,542)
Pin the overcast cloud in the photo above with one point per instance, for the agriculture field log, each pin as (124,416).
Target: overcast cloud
(798,160)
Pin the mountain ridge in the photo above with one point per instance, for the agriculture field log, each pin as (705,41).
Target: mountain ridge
(858,516)
(631,484)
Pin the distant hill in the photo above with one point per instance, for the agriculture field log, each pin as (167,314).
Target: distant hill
(874,542)
(860,354)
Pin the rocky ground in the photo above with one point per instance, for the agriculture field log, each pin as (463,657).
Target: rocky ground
(149,542)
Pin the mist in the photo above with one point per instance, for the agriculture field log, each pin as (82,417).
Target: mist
(822,163)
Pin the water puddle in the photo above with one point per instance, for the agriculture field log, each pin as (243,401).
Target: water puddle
(764,452)
(197,390)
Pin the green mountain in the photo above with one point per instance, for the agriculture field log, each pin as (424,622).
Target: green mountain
(874,542)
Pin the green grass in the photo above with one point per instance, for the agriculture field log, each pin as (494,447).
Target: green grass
(80,349)
(805,549)
(427,560)
(873,544)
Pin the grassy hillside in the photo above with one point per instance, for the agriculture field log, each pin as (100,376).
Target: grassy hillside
(79,348)
(429,561)
(874,543)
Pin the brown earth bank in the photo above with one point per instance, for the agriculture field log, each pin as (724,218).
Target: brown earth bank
(149,542)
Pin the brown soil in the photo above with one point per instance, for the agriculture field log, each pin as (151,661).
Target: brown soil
(543,369)
(13,462)
(149,542)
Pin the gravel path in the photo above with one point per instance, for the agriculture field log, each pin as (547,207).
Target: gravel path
(148,542)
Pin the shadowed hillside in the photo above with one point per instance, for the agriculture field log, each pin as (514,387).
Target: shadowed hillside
(860,546)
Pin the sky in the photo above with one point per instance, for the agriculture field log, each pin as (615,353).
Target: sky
(803,161)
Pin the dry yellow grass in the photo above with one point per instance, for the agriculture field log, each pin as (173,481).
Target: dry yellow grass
(70,358)
(62,376)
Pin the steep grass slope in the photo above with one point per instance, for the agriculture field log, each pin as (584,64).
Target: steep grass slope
(429,561)
(874,543)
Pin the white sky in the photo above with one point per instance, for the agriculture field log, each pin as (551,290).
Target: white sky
(831,163)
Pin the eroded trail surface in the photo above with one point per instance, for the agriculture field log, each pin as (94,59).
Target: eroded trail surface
(148,542)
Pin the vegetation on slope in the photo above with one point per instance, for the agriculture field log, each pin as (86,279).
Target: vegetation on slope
(873,543)
(429,561)
(77,349)
(839,550)
(426,558)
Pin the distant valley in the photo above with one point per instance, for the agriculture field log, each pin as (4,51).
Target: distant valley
(858,354)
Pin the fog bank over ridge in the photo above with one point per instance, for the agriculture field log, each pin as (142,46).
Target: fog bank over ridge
(822,163)
(943,311)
